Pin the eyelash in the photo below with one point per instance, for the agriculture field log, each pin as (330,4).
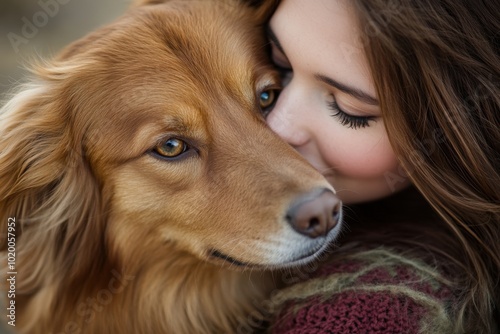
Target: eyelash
(352,122)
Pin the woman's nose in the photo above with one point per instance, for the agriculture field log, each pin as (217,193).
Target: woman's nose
(288,121)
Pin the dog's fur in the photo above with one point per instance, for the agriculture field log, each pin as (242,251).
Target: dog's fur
(110,237)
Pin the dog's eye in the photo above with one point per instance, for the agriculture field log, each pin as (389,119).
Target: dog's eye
(171,148)
(267,99)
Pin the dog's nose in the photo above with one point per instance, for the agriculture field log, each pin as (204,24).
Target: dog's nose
(315,214)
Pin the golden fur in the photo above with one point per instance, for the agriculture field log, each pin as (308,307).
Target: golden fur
(111,238)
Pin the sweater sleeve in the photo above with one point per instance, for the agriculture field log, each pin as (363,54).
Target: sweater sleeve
(375,291)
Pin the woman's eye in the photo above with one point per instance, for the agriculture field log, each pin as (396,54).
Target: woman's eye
(171,148)
(350,121)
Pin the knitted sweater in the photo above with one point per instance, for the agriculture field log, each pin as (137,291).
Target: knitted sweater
(371,291)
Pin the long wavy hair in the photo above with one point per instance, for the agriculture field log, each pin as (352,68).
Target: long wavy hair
(436,69)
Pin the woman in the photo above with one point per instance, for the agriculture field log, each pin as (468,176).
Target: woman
(397,103)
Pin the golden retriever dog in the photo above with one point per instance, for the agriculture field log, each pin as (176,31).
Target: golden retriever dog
(140,188)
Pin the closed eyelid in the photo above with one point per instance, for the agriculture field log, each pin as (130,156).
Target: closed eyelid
(272,37)
(278,55)
(280,60)
(357,93)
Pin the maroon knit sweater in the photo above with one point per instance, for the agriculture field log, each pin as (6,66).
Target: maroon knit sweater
(376,291)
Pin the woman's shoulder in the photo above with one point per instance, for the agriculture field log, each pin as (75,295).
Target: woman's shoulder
(375,290)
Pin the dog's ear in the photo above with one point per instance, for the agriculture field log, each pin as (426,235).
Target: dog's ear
(47,190)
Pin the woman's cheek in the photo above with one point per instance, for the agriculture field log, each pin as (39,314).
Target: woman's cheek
(363,156)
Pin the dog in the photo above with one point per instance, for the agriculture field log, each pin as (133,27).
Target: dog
(141,190)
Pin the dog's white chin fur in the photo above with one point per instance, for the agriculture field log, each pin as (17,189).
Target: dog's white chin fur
(293,249)
(286,249)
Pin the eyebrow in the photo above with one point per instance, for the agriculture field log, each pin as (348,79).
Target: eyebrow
(355,92)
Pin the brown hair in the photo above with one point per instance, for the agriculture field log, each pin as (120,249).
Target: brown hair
(436,68)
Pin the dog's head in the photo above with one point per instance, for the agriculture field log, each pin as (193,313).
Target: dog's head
(149,136)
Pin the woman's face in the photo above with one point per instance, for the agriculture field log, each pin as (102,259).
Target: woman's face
(328,110)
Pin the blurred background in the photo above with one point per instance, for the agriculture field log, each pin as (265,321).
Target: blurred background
(40,28)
